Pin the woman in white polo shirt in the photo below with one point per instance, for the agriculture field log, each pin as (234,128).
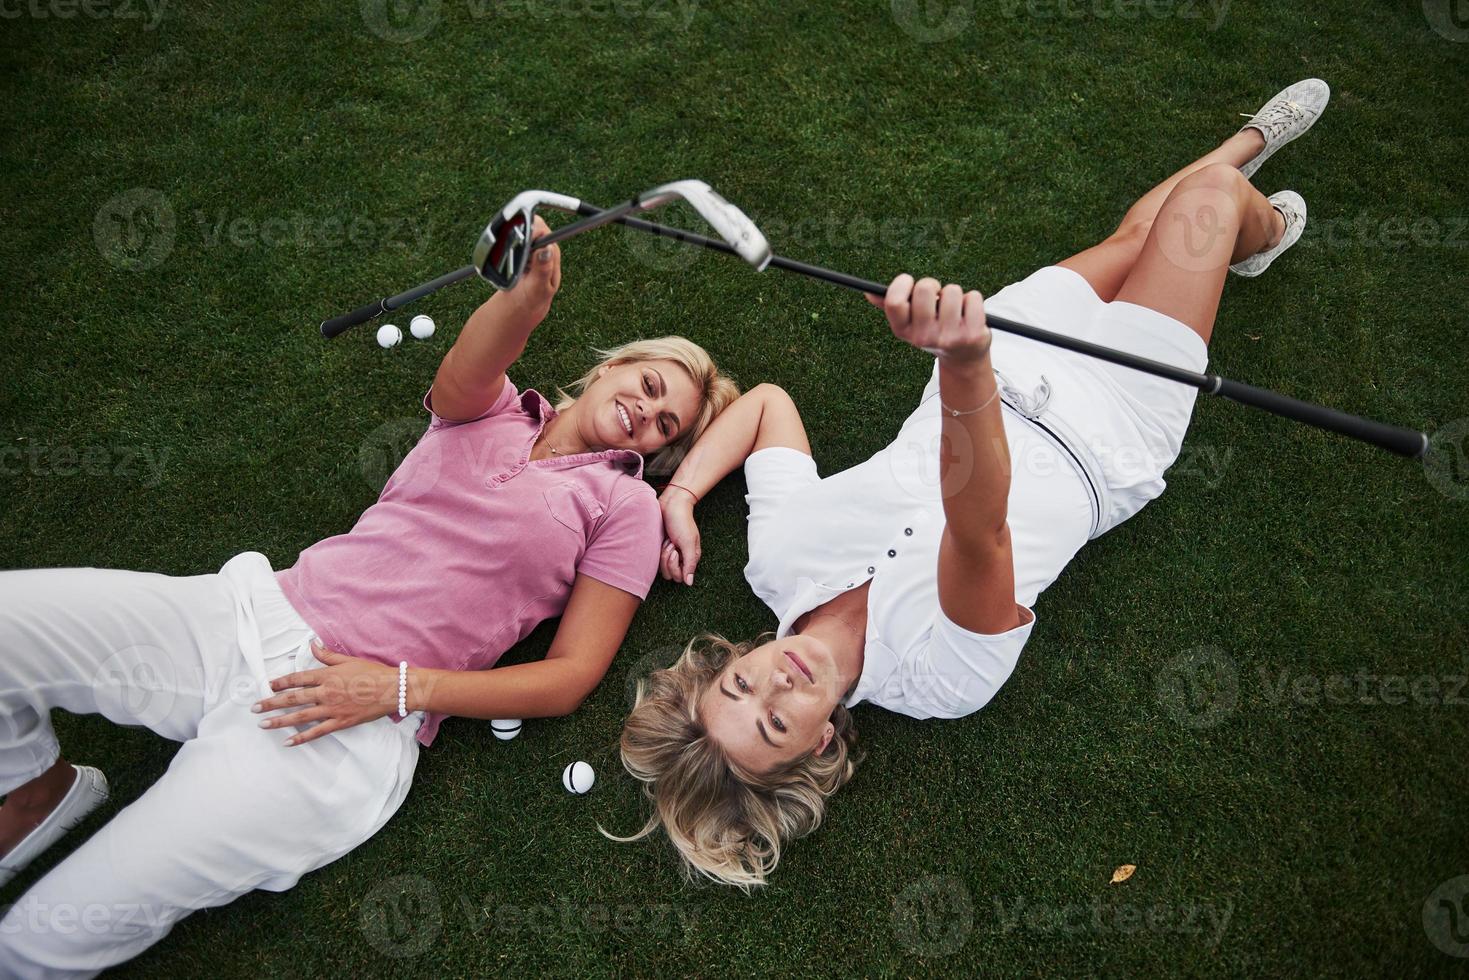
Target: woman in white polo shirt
(908,581)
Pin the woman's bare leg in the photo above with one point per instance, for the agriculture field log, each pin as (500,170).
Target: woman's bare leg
(1211,218)
(27,806)
(1105,266)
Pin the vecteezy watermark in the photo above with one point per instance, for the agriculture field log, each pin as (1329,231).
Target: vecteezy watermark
(139,228)
(1446,916)
(404,916)
(644,666)
(120,920)
(939,237)
(1366,688)
(150,12)
(933,916)
(1447,462)
(386,447)
(1211,12)
(932,21)
(401,21)
(135,230)
(383,453)
(1200,688)
(1198,228)
(1392,231)
(678,14)
(1448,18)
(1103,915)
(300,230)
(141,463)
(1204,687)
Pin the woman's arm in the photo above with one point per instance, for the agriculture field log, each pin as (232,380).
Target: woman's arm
(350,691)
(763,417)
(472,374)
(976,567)
(591,631)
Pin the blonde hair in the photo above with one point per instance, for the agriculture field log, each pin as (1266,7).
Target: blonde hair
(727,822)
(716,391)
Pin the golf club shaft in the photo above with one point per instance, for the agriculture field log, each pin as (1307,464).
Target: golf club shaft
(1395,439)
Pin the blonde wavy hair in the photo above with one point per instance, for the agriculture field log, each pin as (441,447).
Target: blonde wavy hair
(728,823)
(716,391)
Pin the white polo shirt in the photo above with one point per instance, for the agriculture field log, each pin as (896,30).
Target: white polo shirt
(812,539)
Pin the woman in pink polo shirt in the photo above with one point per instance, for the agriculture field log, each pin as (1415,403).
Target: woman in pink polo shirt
(507,512)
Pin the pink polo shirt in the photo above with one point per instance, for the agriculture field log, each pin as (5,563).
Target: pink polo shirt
(471,544)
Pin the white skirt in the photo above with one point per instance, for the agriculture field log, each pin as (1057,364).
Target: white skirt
(1131,424)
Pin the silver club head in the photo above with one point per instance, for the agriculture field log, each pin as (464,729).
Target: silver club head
(504,248)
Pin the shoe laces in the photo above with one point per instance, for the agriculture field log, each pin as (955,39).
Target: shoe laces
(1278,117)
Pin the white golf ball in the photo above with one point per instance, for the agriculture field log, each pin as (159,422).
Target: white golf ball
(505,728)
(421,326)
(578,778)
(389,336)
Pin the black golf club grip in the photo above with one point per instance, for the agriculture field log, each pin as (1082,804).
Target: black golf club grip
(1404,442)
(341,324)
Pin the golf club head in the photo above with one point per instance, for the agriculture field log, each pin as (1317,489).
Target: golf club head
(732,224)
(504,247)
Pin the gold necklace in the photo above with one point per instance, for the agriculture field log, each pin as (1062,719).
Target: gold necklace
(861,637)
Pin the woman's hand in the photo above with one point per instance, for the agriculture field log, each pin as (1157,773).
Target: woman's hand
(947,322)
(542,278)
(346,692)
(681,549)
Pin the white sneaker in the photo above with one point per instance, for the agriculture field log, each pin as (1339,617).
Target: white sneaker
(87,793)
(1293,208)
(1286,117)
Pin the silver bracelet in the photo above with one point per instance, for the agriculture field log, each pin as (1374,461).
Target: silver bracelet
(955,413)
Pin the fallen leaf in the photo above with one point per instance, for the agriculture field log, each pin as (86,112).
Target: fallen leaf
(1123,873)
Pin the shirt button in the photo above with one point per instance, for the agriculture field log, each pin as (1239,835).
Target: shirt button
(892,553)
(908,531)
(871,569)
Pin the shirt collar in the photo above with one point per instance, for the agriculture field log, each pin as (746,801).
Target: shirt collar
(537,407)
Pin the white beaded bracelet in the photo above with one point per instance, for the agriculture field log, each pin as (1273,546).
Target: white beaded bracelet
(403,689)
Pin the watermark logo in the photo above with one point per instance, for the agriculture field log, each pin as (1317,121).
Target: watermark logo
(1446,917)
(933,916)
(386,447)
(1198,228)
(1448,18)
(643,668)
(137,683)
(402,917)
(401,21)
(1199,689)
(1447,462)
(659,252)
(932,21)
(135,230)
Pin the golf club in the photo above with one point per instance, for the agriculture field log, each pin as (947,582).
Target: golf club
(504,248)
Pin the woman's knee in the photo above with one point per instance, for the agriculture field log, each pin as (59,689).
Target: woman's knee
(1217,177)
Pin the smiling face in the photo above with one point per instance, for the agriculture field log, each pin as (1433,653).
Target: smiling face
(774,704)
(639,405)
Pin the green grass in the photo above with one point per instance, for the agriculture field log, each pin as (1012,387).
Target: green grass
(1320,828)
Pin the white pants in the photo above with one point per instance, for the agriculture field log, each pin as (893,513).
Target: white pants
(236,810)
